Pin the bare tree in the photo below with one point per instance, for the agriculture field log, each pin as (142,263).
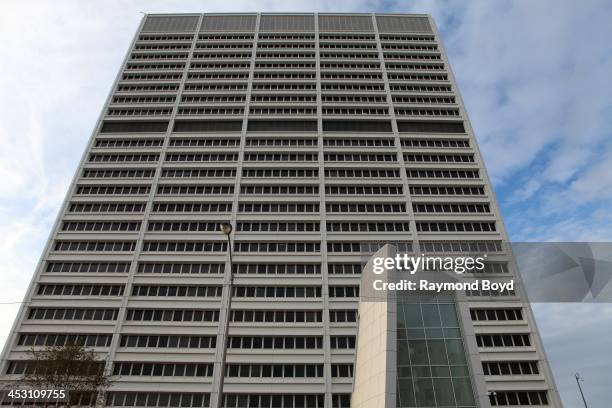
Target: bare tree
(70,367)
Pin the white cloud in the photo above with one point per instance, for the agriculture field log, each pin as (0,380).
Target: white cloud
(535,77)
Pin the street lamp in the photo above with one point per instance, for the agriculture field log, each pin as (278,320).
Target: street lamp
(578,379)
(227,229)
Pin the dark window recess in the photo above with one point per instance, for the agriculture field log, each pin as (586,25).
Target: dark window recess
(133,127)
(431,127)
(207,126)
(282,126)
(356,126)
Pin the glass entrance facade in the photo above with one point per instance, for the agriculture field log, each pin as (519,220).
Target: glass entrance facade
(432,366)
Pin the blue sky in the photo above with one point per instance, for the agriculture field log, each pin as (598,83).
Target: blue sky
(536,78)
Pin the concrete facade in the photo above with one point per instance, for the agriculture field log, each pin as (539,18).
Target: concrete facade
(311,134)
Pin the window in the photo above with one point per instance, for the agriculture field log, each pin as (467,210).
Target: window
(275,342)
(280,173)
(214,111)
(285,75)
(88,267)
(368,227)
(258,189)
(439,158)
(443,173)
(296,157)
(372,87)
(278,207)
(301,142)
(490,293)
(166,226)
(289,247)
(342,370)
(111,190)
(178,268)
(416,77)
(177,290)
(430,127)
(142,77)
(510,367)
(277,269)
(215,87)
(62,339)
(94,246)
(197,173)
(41,313)
(122,158)
(277,226)
(172,315)
(148,88)
(360,190)
(277,291)
(124,368)
(24,367)
(79,290)
(90,226)
(498,398)
(342,342)
(277,316)
(365,247)
(446,190)
(127,143)
(356,126)
(118,173)
(344,269)
(158,56)
(436,143)
(336,110)
(455,226)
(92,207)
(341,400)
(401,46)
(207,126)
(337,142)
(157,399)
(282,125)
(503,340)
(195,189)
(460,246)
(343,291)
(283,98)
(274,370)
(365,208)
(139,126)
(274,400)
(342,316)
(204,142)
(212,65)
(165,37)
(201,157)
(175,207)
(471,208)
(496,314)
(361,173)
(225,55)
(154,341)
(419,88)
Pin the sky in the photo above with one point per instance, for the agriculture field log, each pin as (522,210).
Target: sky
(536,78)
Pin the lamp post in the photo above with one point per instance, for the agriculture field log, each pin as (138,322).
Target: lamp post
(578,379)
(227,229)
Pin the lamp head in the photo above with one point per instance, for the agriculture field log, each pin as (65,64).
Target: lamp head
(226,228)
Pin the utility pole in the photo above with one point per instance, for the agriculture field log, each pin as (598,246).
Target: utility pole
(578,379)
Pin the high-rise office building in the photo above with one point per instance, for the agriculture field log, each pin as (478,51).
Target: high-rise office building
(314,136)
